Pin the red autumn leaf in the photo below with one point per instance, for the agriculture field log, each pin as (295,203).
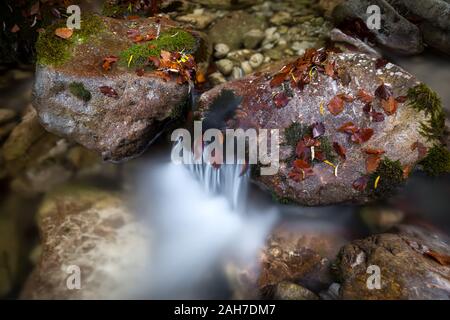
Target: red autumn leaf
(318,129)
(15,28)
(108,91)
(138,38)
(108,62)
(401,99)
(364,96)
(376,116)
(380,63)
(348,127)
(340,150)
(310,142)
(367,107)
(277,80)
(132,33)
(319,155)
(64,33)
(360,184)
(441,258)
(362,135)
(302,151)
(280,100)
(140,72)
(329,69)
(374,151)
(336,105)
(372,162)
(406,171)
(346,97)
(420,148)
(383,92)
(389,106)
(301,164)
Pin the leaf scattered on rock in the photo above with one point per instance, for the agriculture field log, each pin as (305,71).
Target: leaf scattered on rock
(380,63)
(364,96)
(318,129)
(340,150)
(389,106)
(108,62)
(360,184)
(64,33)
(441,258)
(108,91)
(422,150)
(401,99)
(383,92)
(336,105)
(348,127)
(372,162)
(362,135)
(374,151)
(280,100)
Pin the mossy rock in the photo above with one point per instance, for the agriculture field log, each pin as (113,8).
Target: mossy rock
(115,110)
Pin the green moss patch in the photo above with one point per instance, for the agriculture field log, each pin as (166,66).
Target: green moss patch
(53,50)
(437,161)
(79,91)
(386,179)
(172,40)
(295,132)
(422,98)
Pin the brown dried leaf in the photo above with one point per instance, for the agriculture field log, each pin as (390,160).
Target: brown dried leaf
(281,100)
(348,127)
(360,184)
(340,150)
(108,91)
(389,106)
(364,96)
(64,33)
(383,92)
(372,162)
(441,258)
(336,105)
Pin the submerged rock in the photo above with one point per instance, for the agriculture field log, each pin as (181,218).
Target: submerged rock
(353,133)
(92,230)
(293,264)
(396,33)
(414,264)
(99,89)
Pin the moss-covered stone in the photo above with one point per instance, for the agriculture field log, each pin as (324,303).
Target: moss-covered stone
(53,50)
(386,179)
(437,161)
(327,149)
(423,99)
(172,40)
(79,91)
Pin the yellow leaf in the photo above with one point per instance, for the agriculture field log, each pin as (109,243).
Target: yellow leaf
(377,180)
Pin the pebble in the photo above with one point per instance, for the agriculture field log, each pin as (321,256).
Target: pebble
(237,73)
(225,66)
(253,38)
(221,50)
(217,78)
(256,60)
(246,67)
(281,18)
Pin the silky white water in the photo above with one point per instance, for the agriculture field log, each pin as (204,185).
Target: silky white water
(199,219)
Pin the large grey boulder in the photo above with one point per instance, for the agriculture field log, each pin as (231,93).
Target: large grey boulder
(368,136)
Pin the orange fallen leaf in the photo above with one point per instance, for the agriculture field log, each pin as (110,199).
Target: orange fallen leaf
(389,106)
(64,33)
(372,162)
(336,105)
(442,259)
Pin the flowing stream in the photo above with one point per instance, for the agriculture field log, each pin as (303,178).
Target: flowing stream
(199,217)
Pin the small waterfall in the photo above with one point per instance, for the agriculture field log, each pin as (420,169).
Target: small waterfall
(196,217)
(228,180)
